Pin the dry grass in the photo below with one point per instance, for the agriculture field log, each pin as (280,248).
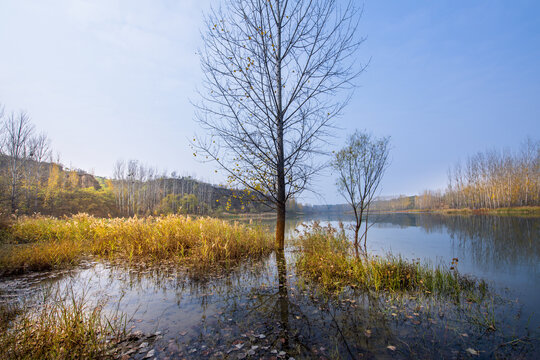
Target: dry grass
(60,327)
(41,243)
(327,257)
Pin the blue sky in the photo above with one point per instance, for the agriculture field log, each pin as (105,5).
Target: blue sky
(112,80)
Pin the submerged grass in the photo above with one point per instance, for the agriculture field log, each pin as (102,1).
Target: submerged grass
(327,257)
(63,325)
(42,243)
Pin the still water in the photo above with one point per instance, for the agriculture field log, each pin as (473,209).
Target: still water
(263,309)
(504,250)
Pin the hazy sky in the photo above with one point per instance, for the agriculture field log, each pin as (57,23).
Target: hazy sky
(110,80)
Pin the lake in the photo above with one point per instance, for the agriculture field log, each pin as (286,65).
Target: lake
(504,250)
(263,309)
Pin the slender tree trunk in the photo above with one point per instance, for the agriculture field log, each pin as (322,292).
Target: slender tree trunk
(356,231)
(280,222)
(356,244)
(365,233)
(356,228)
(13,195)
(14,181)
(280,227)
(359,219)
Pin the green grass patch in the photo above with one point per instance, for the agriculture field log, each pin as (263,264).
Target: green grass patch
(43,243)
(328,258)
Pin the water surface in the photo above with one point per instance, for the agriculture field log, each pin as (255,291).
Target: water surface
(505,250)
(262,309)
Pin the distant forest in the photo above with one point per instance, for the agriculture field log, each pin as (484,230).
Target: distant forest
(51,189)
(488,180)
(31,182)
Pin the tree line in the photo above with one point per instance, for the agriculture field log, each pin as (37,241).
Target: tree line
(142,190)
(31,181)
(487,180)
(495,179)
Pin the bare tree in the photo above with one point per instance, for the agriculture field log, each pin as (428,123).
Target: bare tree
(18,130)
(39,147)
(38,150)
(360,166)
(271,70)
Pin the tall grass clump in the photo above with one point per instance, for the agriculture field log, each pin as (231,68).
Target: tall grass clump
(61,327)
(327,256)
(41,243)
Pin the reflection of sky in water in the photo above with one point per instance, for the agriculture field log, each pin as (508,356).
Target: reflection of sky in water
(212,312)
(501,249)
(198,315)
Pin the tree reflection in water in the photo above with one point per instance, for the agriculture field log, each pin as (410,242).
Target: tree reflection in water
(283,296)
(259,309)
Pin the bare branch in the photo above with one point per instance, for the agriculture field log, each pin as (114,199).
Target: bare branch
(271,73)
(361,165)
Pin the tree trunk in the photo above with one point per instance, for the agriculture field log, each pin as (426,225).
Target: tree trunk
(359,218)
(365,233)
(13,197)
(356,231)
(14,178)
(280,227)
(281,200)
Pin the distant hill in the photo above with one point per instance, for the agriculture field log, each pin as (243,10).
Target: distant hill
(52,189)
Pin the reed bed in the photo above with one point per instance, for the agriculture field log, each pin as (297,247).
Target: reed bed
(42,243)
(61,325)
(328,257)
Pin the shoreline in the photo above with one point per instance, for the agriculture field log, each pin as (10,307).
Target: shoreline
(521,210)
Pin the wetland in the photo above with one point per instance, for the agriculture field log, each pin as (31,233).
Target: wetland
(263,306)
